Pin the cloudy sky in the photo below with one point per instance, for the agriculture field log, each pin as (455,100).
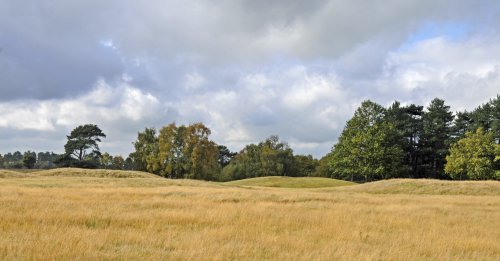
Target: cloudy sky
(245,68)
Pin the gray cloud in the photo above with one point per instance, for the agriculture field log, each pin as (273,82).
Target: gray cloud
(247,69)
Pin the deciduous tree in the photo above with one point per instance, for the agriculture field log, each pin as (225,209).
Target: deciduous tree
(473,157)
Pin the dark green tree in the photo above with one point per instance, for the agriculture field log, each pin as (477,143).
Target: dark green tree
(323,167)
(436,138)
(462,123)
(408,123)
(304,165)
(487,116)
(270,157)
(225,155)
(29,159)
(366,149)
(129,164)
(82,146)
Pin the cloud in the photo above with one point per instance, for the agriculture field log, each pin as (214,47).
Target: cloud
(248,69)
(117,108)
(464,72)
(296,103)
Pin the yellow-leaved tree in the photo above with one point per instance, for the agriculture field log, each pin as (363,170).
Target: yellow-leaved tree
(476,156)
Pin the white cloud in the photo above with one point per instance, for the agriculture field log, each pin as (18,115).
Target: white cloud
(117,109)
(464,72)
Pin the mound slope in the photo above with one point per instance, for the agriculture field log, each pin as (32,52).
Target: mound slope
(290,182)
(96,173)
(428,186)
(13,174)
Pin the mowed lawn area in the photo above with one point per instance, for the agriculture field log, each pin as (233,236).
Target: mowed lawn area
(73,214)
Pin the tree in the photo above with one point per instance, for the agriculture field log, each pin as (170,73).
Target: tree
(45,160)
(180,152)
(323,167)
(106,160)
(473,157)
(366,149)
(129,164)
(118,163)
(270,157)
(461,124)
(304,165)
(437,122)
(145,147)
(82,149)
(408,123)
(29,159)
(225,155)
(487,116)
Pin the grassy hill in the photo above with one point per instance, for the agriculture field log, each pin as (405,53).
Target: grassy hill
(75,172)
(290,182)
(92,214)
(12,174)
(96,173)
(427,186)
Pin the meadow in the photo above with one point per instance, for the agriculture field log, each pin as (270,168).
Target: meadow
(108,215)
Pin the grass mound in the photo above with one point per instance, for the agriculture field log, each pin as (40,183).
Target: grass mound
(290,182)
(96,173)
(428,186)
(13,174)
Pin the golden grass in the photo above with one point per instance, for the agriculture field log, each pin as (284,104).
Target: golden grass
(100,173)
(4,173)
(428,186)
(290,182)
(151,219)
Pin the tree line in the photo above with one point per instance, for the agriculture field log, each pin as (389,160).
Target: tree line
(28,160)
(187,152)
(400,141)
(413,142)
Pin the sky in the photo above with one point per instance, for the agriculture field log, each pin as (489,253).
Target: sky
(247,69)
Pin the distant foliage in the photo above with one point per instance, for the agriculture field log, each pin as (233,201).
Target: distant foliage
(28,159)
(270,157)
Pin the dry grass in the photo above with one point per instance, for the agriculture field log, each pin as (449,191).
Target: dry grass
(428,186)
(147,218)
(98,173)
(4,173)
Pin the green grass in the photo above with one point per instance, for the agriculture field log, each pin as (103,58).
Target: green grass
(290,182)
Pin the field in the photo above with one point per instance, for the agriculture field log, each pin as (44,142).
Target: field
(80,215)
